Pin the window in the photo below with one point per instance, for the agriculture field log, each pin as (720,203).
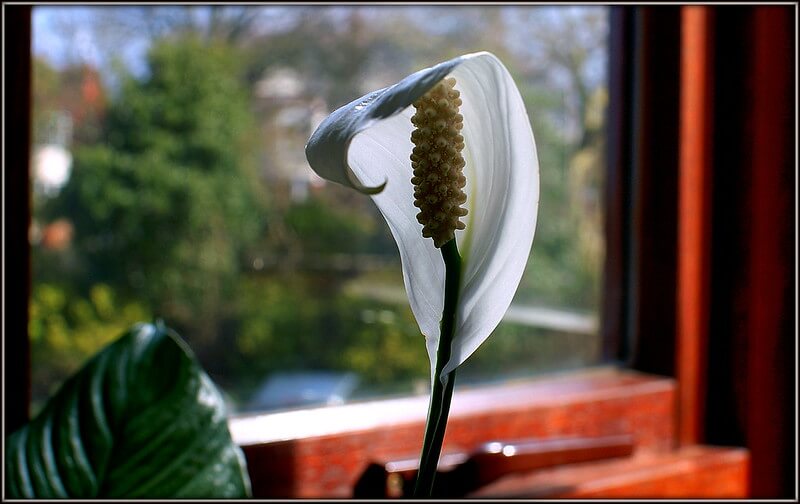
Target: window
(153,197)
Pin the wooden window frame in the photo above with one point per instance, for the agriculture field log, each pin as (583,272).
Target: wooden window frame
(711,168)
(715,346)
(17,214)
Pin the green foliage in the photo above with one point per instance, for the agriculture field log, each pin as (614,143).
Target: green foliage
(545,351)
(174,184)
(66,329)
(308,322)
(324,228)
(45,85)
(140,420)
(558,273)
(385,346)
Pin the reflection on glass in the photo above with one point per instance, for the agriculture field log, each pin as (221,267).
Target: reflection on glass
(170,181)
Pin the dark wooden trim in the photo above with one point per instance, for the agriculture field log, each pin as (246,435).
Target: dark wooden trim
(616,344)
(641,188)
(751,393)
(770,272)
(694,218)
(725,379)
(16,198)
(651,321)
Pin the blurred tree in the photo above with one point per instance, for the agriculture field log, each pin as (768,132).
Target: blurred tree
(46,85)
(164,208)
(223,23)
(301,322)
(75,92)
(576,68)
(558,79)
(586,180)
(564,87)
(338,47)
(566,260)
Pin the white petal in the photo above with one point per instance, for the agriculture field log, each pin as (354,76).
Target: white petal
(366,145)
(327,149)
(502,197)
(387,145)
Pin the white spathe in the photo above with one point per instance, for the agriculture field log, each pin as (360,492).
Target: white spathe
(366,145)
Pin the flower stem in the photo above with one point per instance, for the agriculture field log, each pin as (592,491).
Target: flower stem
(441,393)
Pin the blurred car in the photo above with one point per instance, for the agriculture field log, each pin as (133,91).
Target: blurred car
(286,390)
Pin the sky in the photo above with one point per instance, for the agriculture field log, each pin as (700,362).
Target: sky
(49,43)
(61,36)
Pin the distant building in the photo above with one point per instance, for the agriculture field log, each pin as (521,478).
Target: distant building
(71,112)
(82,95)
(77,105)
(288,115)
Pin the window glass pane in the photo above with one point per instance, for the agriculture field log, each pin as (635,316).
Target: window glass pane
(170,181)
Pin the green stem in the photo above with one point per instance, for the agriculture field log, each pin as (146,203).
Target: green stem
(441,394)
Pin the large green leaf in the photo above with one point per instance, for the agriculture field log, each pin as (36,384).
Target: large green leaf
(140,420)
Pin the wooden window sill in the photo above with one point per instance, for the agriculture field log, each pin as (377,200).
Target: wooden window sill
(321,452)
(696,472)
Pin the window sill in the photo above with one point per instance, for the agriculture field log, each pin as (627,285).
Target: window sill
(321,452)
(695,472)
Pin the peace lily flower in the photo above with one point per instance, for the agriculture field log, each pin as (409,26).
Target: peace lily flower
(367,145)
